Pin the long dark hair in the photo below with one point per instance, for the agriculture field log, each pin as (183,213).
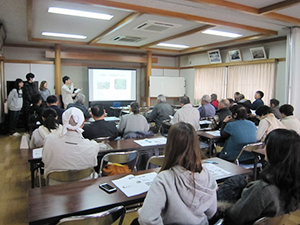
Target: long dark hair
(283,169)
(182,148)
(49,116)
(17,84)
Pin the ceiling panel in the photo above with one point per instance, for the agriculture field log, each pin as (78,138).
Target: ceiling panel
(255,3)
(291,11)
(150,36)
(199,39)
(44,21)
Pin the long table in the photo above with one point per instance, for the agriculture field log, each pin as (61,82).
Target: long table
(50,204)
(117,146)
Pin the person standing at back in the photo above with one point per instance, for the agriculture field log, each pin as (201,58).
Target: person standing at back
(15,102)
(67,91)
(160,112)
(44,91)
(187,113)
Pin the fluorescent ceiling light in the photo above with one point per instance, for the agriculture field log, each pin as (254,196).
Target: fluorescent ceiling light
(52,34)
(73,12)
(172,45)
(222,33)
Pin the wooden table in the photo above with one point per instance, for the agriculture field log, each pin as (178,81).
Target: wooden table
(118,146)
(210,138)
(50,204)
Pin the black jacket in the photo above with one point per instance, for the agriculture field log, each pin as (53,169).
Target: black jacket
(222,113)
(29,90)
(100,128)
(59,112)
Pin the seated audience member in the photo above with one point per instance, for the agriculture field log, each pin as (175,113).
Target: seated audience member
(187,113)
(79,103)
(214,100)
(258,100)
(206,109)
(223,110)
(49,126)
(100,128)
(231,102)
(267,123)
(274,105)
(238,132)
(288,118)
(184,192)
(277,192)
(236,94)
(69,150)
(245,102)
(52,103)
(133,122)
(160,112)
(35,110)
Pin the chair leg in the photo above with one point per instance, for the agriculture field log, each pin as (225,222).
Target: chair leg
(40,177)
(255,167)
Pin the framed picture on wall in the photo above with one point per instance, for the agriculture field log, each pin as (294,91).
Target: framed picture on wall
(258,53)
(214,56)
(235,55)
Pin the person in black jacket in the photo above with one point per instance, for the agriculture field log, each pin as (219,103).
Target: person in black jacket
(100,128)
(258,100)
(223,111)
(52,103)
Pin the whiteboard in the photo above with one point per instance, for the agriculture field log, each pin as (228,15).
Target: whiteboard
(168,86)
(12,71)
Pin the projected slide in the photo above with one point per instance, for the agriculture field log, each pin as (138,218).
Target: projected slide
(112,85)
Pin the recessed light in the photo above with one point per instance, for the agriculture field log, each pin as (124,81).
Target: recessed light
(52,34)
(222,33)
(172,45)
(73,12)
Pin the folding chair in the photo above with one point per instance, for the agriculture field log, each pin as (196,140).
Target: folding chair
(155,160)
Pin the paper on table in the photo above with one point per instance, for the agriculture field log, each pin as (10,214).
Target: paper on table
(214,133)
(111,118)
(152,141)
(135,185)
(215,171)
(202,122)
(37,153)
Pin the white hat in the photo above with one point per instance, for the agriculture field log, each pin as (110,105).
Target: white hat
(78,118)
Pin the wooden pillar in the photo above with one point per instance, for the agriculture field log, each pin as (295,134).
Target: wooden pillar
(57,62)
(148,74)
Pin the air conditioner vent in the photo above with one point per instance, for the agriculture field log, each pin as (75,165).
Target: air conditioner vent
(129,39)
(156,26)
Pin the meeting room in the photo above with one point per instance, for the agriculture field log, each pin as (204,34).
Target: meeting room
(150,112)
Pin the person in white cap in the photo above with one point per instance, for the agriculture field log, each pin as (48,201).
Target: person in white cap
(69,150)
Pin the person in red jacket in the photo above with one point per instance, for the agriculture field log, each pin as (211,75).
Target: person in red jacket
(214,100)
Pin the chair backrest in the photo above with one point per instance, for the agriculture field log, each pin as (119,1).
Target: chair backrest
(249,148)
(69,175)
(156,160)
(278,220)
(100,139)
(103,218)
(121,158)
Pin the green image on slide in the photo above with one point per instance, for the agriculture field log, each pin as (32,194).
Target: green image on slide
(120,84)
(103,85)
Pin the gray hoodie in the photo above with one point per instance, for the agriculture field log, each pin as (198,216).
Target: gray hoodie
(172,198)
(15,100)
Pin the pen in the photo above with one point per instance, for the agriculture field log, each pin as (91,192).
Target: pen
(212,162)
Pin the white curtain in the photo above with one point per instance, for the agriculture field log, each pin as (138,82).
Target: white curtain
(210,81)
(293,69)
(247,79)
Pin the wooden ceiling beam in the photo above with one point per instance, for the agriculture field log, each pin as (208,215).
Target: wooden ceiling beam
(100,57)
(29,19)
(278,6)
(161,12)
(116,27)
(219,44)
(250,10)
(189,32)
